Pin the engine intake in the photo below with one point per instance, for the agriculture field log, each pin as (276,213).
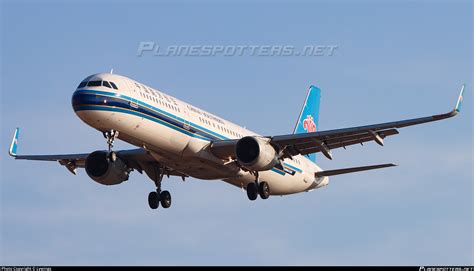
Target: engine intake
(256,154)
(105,170)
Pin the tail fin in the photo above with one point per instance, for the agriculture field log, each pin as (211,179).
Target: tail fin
(309,116)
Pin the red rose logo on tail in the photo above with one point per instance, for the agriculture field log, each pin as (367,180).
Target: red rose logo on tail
(309,125)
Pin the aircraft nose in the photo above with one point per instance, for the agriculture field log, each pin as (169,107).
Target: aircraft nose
(82,100)
(77,100)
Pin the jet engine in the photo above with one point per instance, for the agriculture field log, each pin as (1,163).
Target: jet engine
(106,169)
(256,153)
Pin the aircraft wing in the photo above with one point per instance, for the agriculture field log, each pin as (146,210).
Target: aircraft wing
(135,158)
(324,141)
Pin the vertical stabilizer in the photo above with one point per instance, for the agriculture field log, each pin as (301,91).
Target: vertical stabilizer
(309,115)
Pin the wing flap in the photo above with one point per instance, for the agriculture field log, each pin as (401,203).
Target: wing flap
(53,157)
(310,145)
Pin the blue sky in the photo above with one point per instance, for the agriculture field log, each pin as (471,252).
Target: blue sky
(394,61)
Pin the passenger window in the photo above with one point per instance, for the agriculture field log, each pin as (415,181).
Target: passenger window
(106,84)
(82,84)
(94,83)
(113,85)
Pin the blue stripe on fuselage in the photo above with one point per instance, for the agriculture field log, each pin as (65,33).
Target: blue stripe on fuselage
(276,170)
(149,106)
(136,113)
(106,101)
(292,167)
(97,98)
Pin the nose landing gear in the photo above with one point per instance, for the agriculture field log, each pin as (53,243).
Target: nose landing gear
(110,135)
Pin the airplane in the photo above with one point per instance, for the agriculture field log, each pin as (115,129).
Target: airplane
(175,138)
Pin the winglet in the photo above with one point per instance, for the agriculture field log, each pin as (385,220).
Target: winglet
(459,102)
(14,144)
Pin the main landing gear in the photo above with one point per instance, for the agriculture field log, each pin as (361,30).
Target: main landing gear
(258,188)
(163,197)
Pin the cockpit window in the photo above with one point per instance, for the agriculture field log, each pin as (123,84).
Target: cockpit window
(113,85)
(94,83)
(106,84)
(82,84)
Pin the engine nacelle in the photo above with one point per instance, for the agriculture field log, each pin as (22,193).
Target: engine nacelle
(256,153)
(104,170)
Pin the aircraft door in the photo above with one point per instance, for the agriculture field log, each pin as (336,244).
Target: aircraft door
(132,93)
(186,118)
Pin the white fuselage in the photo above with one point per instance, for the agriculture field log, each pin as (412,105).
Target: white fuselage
(178,134)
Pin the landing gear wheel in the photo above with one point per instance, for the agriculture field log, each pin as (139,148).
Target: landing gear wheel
(264,190)
(165,199)
(252,191)
(153,200)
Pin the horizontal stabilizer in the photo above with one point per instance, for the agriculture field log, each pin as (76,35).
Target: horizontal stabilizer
(350,170)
